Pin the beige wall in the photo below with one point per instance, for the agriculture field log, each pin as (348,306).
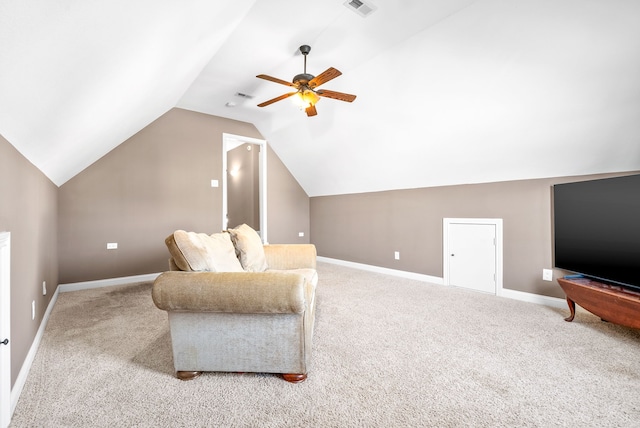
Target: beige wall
(288,205)
(28,209)
(367,228)
(154,183)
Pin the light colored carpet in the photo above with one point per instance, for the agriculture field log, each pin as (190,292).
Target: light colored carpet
(388,352)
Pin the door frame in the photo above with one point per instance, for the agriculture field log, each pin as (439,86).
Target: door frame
(229,142)
(497,222)
(5,328)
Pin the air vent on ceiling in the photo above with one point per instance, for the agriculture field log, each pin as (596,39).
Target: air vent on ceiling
(360,7)
(246,96)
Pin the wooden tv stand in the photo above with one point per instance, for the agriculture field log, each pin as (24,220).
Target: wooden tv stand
(611,303)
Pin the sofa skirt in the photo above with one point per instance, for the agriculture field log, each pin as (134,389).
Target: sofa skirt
(232,342)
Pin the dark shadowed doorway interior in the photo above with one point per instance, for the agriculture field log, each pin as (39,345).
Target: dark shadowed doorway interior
(244,183)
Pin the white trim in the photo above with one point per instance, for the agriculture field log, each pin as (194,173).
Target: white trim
(230,141)
(497,222)
(31,355)
(539,299)
(387,271)
(106,282)
(62,288)
(6,411)
(506,293)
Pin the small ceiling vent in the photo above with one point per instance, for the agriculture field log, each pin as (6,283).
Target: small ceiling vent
(245,96)
(360,7)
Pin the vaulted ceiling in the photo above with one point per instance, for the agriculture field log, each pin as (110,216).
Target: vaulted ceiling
(448,91)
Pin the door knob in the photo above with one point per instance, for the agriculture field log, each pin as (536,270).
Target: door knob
(5,342)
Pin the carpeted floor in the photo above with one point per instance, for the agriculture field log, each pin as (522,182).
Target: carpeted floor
(388,352)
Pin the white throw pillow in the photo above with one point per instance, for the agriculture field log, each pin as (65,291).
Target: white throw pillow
(202,252)
(249,248)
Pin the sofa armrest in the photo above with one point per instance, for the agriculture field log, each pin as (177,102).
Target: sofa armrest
(230,292)
(290,256)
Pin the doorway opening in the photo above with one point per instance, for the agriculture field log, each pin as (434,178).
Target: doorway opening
(472,254)
(244,183)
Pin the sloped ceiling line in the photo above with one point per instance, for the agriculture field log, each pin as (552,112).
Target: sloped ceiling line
(449,91)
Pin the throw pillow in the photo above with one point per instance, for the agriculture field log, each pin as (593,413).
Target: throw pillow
(224,253)
(249,248)
(201,252)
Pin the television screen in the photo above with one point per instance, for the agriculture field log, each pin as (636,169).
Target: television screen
(597,229)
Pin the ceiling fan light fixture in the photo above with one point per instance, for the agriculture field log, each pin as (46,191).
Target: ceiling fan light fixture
(306,98)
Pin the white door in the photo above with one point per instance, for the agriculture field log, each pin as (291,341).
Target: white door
(472,255)
(5,345)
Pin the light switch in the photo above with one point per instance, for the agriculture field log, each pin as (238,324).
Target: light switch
(214,183)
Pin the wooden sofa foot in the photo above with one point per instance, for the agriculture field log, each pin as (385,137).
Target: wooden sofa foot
(187,375)
(294,377)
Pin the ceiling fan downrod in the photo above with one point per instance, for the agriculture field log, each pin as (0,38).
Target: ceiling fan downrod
(304,77)
(304,50)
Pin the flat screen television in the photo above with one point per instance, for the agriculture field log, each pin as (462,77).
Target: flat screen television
(597,229)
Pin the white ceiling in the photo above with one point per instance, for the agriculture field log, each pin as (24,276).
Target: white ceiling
(449,91)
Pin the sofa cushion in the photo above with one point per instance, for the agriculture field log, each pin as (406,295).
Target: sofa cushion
(193,251)
(249,248)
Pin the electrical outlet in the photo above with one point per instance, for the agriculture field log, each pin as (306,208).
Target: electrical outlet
(112,245)
(396,255)
(300,234)
(44,288)
(214,183)
(547,274)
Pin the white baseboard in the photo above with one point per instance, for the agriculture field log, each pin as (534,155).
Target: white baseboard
(85,285)
(504,292)
(28,361)
(387,271)
(62,288)
(555,302)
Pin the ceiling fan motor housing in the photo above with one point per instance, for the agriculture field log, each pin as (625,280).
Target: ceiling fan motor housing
(303,78)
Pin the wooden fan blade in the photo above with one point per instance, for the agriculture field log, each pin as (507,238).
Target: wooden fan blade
(311,110)
(281,97)
(275,79)
(329,74)
(336,95)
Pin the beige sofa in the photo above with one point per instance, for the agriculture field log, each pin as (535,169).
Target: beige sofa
(237,306)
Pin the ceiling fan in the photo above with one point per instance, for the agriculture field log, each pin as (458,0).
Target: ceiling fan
(306,87)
